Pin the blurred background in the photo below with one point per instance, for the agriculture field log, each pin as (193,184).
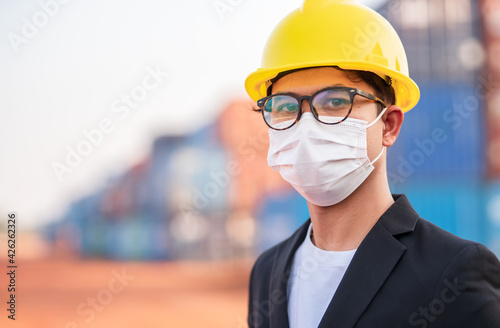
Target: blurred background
(138,171)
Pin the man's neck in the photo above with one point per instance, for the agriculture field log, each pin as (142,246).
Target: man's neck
(343,226)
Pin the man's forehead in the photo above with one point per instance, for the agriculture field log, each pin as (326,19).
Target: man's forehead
(308,81)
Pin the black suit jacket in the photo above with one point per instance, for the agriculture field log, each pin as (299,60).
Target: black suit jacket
(407,272)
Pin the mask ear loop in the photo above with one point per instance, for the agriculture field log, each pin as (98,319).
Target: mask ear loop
(375,121)
(378,118)
(379,155)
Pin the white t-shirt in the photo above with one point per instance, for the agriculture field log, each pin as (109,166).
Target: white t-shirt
(315,276)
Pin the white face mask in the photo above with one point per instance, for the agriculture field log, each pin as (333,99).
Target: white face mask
(324,163)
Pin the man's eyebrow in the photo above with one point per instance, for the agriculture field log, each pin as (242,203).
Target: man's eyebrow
(287,94)
(297,95)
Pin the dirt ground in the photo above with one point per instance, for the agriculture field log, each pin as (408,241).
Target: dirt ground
(84,294)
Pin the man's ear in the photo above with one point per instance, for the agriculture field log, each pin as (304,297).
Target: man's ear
(393,120)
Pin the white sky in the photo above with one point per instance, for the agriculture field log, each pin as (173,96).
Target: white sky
(68,74)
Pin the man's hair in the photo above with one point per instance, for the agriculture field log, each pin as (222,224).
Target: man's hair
(382,88)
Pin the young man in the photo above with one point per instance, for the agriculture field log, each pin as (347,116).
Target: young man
(333,90)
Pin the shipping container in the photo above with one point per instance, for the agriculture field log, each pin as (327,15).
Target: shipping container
(454,205)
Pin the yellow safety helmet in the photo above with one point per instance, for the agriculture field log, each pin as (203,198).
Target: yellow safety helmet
(339,33)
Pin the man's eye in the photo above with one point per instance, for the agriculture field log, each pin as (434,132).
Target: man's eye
(290,108)
(336,103)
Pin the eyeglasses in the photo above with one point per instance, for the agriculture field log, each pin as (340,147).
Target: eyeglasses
(329,106)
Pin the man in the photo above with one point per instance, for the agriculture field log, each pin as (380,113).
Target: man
(333,90)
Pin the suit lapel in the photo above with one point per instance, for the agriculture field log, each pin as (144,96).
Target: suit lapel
(281,274)
(371,266)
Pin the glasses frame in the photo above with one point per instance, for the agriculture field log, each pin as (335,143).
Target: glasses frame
(351,91)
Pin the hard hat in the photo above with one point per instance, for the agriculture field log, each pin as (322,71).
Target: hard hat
(339,33)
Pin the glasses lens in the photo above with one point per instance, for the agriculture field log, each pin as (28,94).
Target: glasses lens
(332,105)
(280,112)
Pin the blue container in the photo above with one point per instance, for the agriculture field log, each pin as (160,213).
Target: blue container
(492,213)
(442,136)
(454,205)
(279,215)
(137,238)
